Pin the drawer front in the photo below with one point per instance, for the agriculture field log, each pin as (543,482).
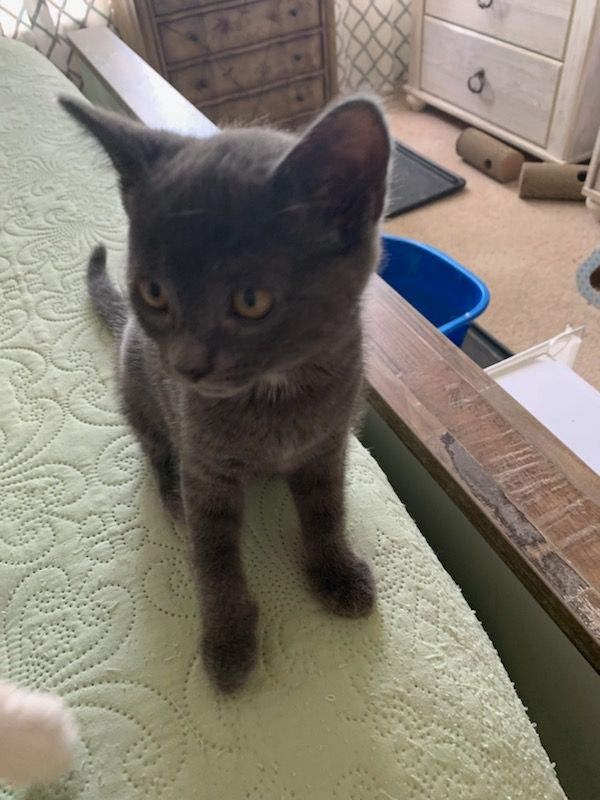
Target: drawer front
(212,32)
(169,6)
(539,25)
(517,91)
(250,70)
(281,103)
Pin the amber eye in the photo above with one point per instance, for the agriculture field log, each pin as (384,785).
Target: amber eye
(252,303)
(153,295)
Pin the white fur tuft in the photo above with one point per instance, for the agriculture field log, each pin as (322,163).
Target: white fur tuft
(37,737)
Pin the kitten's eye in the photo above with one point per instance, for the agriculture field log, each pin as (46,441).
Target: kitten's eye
(252,303)
(153,295)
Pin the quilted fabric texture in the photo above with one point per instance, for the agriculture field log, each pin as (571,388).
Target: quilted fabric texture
(96,600)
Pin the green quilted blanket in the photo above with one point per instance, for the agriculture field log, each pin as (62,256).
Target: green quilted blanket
(96,600)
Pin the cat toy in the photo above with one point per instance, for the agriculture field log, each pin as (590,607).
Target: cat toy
(553,181)
(37,737)
(488,155)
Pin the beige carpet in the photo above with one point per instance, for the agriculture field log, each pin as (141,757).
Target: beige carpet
(527,251)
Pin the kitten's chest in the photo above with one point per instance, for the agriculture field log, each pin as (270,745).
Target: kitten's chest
(280,439)
(275,435)
(286,446)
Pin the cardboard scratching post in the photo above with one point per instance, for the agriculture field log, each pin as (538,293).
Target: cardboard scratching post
(489,155)
(552,181)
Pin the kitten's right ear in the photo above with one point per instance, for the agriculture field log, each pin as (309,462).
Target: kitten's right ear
(132,147)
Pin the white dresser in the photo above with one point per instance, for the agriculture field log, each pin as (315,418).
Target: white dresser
(526,71)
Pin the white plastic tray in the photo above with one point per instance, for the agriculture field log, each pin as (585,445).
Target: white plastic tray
(541,379)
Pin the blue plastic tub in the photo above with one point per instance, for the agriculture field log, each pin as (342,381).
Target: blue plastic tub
(445,292)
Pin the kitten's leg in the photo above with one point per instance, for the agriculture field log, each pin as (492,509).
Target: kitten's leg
(342,580)
(213,512)
(151,433)
(142,409)
(164,465)
(157,448)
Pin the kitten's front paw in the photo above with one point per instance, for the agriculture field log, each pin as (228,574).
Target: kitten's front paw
(229,649)
(345,587)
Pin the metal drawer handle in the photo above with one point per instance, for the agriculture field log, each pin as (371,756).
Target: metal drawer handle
(477,81)
(485,3)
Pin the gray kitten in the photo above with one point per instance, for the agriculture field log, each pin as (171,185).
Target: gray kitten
(240,342)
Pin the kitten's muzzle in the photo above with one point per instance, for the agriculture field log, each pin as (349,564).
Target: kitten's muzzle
(207,382)
(190,359)
(193,374)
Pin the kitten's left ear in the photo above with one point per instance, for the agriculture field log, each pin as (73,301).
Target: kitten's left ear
(339,167)
(132,148)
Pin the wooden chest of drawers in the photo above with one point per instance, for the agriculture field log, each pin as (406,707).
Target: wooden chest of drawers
(239,62)
(526,71)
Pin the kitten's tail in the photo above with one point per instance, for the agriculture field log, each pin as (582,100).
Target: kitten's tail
(107,301)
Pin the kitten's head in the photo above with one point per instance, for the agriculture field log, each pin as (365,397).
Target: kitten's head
(249,251)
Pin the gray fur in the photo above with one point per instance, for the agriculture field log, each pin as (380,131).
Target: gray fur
(108,303)
(214,399)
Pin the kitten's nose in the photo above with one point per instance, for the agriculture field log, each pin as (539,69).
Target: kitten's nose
(191,359)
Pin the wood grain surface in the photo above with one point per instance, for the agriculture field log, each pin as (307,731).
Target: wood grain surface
(531,498)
